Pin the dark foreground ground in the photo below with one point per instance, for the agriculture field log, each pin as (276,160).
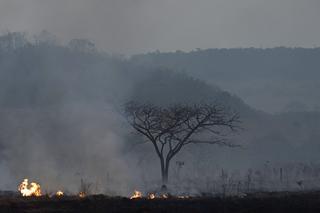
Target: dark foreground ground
(262,202)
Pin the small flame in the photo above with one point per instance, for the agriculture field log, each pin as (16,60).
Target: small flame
(151,196)
(82,194)
(27,190)
(59,193)
(136,195)
(183,197)
(164,196)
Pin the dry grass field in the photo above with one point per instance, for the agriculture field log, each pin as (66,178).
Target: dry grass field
(259,202)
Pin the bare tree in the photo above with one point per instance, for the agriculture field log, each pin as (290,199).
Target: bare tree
(170,128)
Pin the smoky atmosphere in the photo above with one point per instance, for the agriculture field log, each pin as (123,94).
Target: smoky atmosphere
(159,106)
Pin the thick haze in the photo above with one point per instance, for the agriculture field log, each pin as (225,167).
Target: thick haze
(61,103)
(135,26)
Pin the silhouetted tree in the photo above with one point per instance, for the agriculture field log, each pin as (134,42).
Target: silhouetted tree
(170,128)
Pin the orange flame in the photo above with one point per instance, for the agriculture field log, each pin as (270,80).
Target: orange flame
(183,197)
(82,194)
(164,196)
(151,196)
(59,193)
(27,190)
(136,195)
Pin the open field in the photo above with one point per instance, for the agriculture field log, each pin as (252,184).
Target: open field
(259,202)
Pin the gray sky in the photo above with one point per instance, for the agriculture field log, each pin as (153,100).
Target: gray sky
(135,26)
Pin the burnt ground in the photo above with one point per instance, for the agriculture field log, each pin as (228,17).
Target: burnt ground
(259,202)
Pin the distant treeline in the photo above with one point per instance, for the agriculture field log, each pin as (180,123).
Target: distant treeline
(272,79)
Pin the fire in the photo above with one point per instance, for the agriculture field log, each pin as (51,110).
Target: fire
(136,195)
(164,196)
(59,193)
(151,196)
(82,194)
(27,190)
(183,197)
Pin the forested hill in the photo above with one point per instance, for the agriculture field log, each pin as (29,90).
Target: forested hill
(276,79)
(45,74)
(58,95)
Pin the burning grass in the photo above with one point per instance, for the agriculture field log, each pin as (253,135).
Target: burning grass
(59,193)
(259,202)
(31,199)
(27,190)
(34,190)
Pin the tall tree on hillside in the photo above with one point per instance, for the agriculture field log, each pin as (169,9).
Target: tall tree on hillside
(170,128)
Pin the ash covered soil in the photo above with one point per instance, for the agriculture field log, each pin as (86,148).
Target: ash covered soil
(258,202)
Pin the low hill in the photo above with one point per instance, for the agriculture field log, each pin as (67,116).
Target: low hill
(268,79)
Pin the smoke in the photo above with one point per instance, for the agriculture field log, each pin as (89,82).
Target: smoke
(61,122)
(136,26)
(58,147)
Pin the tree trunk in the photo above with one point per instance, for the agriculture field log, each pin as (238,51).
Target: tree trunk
(165,176)
(164,171)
